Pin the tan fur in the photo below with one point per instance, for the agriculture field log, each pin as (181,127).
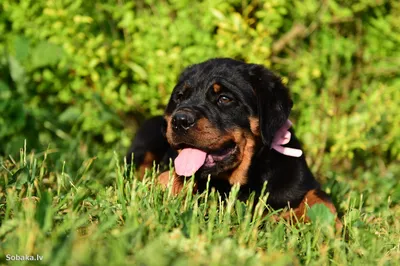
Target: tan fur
(147,164)
(310,199)
(203,134)
(169,128)
(177,186)
(245,143)
(178,182)
(255,125)
(186,86)
(217,88)
(206,135)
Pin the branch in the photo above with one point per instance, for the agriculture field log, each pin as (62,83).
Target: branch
(298,30)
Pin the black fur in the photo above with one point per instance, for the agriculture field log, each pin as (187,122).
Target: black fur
(149,138)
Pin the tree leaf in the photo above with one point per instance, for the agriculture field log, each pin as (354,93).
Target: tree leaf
(46,54)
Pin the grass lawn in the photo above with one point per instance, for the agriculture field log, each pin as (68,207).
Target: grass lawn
(96,217)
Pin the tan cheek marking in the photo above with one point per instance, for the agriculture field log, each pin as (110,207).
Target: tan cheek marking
(216,88)
(255,125)
(207,135)
(203,134)
(246,144)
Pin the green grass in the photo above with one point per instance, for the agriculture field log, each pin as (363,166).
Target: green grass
(92,217)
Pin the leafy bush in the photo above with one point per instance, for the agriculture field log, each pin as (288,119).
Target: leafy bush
(80,75)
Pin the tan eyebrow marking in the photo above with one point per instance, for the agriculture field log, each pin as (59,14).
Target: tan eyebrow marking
(216,88)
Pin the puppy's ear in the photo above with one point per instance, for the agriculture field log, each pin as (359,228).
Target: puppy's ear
(273,101)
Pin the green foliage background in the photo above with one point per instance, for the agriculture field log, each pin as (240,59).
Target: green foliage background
(79,74)
(77,77)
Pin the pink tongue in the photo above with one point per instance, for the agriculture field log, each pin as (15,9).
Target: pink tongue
(189,161)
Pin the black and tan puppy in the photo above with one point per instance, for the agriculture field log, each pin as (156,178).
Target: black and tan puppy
(221,121)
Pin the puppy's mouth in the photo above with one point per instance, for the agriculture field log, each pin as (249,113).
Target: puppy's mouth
(191,159)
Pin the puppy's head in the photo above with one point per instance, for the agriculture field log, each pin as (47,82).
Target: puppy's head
(220,113)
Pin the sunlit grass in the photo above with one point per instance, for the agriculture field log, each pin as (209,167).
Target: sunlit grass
(82,219)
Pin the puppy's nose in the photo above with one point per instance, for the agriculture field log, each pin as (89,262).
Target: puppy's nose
(183,120)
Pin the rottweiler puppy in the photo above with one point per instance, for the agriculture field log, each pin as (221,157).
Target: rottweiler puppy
(229,120)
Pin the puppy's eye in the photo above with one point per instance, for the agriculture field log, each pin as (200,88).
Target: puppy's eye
(224,99)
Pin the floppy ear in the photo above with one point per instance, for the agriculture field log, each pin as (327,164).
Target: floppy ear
(273,101)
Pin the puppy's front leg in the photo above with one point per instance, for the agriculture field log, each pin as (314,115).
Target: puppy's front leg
(178,182)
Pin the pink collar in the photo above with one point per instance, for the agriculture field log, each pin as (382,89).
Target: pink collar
(282,137)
